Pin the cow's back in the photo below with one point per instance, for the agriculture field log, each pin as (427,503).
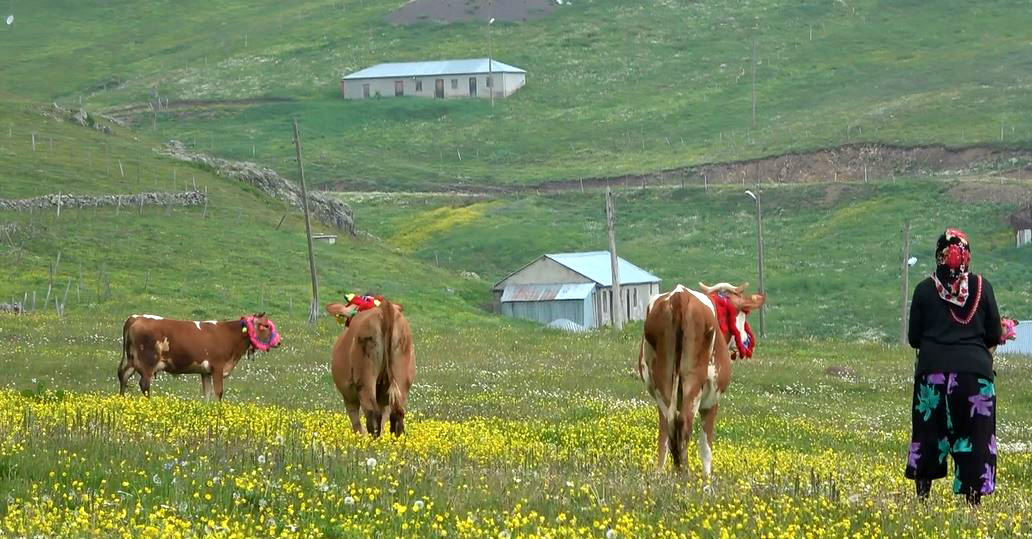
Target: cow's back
(181,346)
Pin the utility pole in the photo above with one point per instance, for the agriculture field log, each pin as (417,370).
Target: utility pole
(617,301)
(904,284)
(313,310)
(490,71)
(754,86)
(759,250)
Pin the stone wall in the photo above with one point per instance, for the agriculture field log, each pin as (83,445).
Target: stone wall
(187,198)
(323,207)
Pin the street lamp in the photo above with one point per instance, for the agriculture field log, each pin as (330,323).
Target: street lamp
(759,249)
(490,75)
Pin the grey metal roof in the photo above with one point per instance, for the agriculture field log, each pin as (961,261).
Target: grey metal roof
(595,265)
(546,292)
(432,68)
(1022,345)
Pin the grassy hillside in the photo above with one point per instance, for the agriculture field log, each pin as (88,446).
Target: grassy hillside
(175,261)
(832,251)
(613,86)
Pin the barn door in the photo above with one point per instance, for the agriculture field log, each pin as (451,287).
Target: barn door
(399,88)
(472,86)
(439,88)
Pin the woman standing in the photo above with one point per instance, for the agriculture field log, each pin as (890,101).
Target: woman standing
(955,325)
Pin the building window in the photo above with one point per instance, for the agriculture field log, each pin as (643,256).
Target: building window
(365,91)
(488,83)
(399,88)
(419,86)
(455,84)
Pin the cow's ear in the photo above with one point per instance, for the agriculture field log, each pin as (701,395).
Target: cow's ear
(335,309)
(398,307)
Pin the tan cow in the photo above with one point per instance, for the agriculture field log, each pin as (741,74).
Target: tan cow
(373,366)
(686,366)
(152,344)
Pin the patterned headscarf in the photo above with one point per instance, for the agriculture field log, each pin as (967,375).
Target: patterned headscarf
(952,260)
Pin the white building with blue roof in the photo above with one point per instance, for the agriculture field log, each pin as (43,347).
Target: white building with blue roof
(576,287)
(475,77)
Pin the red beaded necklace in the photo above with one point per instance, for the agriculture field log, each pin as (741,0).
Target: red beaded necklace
(974,308)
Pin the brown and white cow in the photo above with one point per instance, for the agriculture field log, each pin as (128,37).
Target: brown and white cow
(152,344)
(373,366)
(686,366)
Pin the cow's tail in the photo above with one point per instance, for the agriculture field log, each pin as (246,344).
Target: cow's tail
(387,333)
(123,365)
(125,348)
(678,305)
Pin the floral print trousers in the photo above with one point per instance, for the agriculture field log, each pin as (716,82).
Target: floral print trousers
(954,414)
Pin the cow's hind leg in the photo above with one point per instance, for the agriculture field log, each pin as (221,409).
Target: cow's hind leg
(373,413)
(663,441)
(398,422)
(681,430)
(709,418)
(374,422)
(355,416)
(125,372)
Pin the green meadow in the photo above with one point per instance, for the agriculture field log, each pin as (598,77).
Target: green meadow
(613,87)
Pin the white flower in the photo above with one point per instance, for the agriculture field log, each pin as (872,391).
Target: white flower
(371,462)
(611,533)
(504,534)
(155,479)
(261,459)
(348,500)
(418,505)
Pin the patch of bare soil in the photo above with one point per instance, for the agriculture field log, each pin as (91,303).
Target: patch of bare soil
(849,163)
(451,11)
(1000,193)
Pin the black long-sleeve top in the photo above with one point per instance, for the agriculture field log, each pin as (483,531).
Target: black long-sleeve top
(946,345)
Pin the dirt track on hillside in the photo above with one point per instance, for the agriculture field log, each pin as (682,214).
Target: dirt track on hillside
(847,163)
(451,11)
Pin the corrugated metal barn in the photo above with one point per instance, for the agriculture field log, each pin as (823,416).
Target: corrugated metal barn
(1022,344)
(574,286)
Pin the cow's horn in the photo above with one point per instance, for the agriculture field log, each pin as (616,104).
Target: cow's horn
(705,289)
